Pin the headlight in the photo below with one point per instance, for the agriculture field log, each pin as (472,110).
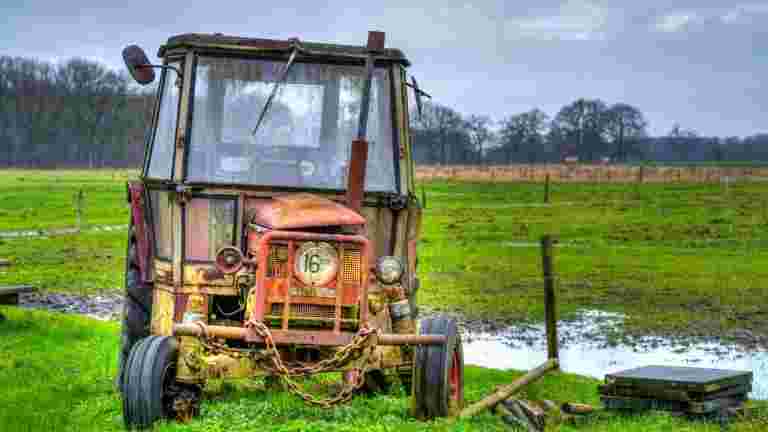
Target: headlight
(389,269)
(316,263)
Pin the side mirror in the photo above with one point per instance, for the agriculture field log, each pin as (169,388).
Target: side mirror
(138,64)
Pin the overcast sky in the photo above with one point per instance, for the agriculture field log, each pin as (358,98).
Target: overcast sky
(699,63)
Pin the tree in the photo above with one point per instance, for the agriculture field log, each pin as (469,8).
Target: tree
(480,133)
(524,131)
(624,123)
(583,125)
(438,125)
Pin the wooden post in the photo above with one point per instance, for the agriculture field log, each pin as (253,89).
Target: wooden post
(504,392)
(546,189)
(79,202)
(550,306)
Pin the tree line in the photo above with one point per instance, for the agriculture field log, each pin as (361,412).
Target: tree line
(586,130)
(80,113)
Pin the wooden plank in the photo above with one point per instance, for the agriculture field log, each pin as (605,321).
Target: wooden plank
(504,392)
(700,380)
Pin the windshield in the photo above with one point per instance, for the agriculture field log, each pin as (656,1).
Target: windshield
(305,137)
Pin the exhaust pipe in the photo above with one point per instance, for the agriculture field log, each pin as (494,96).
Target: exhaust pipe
(359,154)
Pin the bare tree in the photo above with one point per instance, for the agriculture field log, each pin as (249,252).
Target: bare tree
(479,133)
(583,124)
(624,123)
(524,131)
(439,126)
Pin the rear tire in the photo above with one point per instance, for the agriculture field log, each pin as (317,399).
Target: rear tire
(438,372)
(137,306)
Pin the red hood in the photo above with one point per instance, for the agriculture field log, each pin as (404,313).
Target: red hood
(303,210)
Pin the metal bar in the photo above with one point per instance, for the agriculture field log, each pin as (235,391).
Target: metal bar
(504,392)
(406,339)
(365,253)
(287,302)
(301,336)
(339,291)
(356,176)
(365,102)
(213,331)
(550,305)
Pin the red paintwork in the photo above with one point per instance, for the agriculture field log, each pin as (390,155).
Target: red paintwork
(268,287)
(454,378)
(301,210)
(356,177)
(141,229)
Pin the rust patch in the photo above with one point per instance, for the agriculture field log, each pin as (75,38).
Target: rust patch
(180,306)
(302,210)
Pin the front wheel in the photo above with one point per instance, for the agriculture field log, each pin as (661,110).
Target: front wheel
(150,390)
(438,372)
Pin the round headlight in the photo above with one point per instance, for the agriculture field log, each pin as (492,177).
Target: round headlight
(389,269)
(316,263)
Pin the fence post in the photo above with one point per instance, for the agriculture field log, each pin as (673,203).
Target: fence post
(546,189)
(79,202)
(550,305)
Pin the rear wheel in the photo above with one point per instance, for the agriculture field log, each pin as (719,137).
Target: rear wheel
(137,308)
(150,389)
(438,372)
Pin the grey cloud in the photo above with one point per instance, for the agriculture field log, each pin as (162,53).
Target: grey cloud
(492,57)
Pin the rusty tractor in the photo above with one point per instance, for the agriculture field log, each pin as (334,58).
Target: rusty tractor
(274,228)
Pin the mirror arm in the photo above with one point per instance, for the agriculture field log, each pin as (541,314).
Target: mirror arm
(418,90)
(173,68)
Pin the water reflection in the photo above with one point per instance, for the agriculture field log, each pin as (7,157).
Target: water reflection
(587,350)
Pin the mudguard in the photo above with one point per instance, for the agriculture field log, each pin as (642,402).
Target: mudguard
(136,198)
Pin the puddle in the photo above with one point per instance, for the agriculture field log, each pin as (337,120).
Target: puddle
(586,349)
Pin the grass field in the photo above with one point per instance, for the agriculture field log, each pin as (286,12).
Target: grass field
(675,258)
(56,372)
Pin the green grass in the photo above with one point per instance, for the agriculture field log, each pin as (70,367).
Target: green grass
(35,199)
(88,263)
(675,258)
(56,375)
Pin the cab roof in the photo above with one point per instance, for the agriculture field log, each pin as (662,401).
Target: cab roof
(218,41)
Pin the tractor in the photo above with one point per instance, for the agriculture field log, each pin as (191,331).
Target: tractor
(274,229)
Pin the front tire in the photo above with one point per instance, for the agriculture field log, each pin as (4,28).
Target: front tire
(438,372)
(149,382)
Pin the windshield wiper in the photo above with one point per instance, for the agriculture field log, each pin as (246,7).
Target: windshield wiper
(274,89)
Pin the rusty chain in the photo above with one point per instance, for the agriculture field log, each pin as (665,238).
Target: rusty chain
(359,349)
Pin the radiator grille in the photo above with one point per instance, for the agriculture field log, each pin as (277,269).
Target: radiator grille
(304,310)
(351,264)
(350,271)
(277,262)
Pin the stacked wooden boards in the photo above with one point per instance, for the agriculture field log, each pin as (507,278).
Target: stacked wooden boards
(684,390)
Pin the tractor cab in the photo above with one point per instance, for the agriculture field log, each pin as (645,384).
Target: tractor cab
(274,226)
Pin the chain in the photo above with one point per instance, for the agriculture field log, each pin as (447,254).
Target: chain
(359,349)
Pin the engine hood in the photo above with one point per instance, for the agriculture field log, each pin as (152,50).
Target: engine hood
(302,210)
